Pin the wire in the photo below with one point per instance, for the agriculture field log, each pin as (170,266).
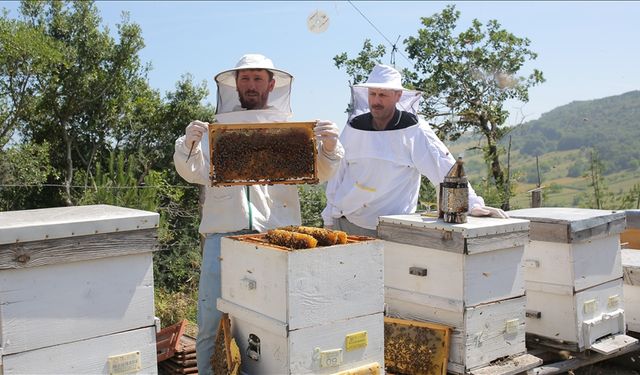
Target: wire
(393,45)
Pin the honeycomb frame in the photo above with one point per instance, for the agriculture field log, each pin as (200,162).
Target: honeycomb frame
(263,153)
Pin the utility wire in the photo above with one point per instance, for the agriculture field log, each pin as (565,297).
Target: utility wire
(393,45)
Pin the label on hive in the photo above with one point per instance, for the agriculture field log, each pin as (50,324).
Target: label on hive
(356,340)
(329,358)
(124,363)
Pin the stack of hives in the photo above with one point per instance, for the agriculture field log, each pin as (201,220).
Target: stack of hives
(631,267)
(313,310)
(76,290)
(184,359)
(466,276)
(573,278)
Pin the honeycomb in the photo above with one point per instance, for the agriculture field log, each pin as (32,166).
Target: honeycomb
(325,237)
(291,240)
(262,155)
(415,348)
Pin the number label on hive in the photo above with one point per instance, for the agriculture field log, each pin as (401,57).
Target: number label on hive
(263,153)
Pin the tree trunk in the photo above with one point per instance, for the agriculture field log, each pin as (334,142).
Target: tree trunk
(69,176)
(494,160)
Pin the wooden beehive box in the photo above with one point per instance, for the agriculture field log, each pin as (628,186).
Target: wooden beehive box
(480,260)
(76,290)
(631,288)
(631,236)
(288,303)
(467,276)
(573,259)
(572,248)
(263,153)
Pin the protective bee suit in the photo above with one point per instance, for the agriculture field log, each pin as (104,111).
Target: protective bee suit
(239,209)
(228,209)
(380,173)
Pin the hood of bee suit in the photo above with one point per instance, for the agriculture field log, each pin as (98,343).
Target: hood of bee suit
(388,78)
(279,98)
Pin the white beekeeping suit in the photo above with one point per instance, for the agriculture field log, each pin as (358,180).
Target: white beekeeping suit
(241,209)
(380,173)
(257,207)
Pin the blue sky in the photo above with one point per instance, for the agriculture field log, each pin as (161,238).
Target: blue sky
(586,50)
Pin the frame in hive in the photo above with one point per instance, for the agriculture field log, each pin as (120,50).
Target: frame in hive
(263,153)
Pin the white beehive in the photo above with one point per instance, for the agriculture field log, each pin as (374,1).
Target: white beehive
(305,311)
(468,276)
(631,288)
(76,290)
(573,276)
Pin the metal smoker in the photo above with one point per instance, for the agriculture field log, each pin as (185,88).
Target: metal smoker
(453,195)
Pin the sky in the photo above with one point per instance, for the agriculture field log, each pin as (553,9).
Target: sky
(586,50)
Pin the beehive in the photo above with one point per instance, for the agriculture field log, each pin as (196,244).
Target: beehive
(631,288)
(468,276)
(631,236)
(316,310)
(76,290)
(262,153)
(573,276)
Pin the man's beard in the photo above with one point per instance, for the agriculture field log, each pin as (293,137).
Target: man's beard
(254,102)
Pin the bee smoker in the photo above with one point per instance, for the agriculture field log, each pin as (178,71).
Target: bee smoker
(453,195)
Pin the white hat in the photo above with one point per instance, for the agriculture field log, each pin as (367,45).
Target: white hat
(254,61)
(384,77)
(228,99)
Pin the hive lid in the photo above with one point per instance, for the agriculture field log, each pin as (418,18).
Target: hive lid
(563,224)
(633,219)
(63,222)
(474,227)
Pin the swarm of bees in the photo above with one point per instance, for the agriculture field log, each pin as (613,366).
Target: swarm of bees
(263,156)
(301,237)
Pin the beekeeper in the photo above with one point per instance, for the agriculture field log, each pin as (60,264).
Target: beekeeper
(387,148)
(253,91)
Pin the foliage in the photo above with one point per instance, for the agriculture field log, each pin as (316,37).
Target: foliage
(427,199)
(465,79)
(312,202)
(173,307)
(23,166)
(26,55)
(81,96)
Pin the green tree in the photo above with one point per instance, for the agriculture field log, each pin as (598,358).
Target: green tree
(26,55)
(81,100)
(465,79)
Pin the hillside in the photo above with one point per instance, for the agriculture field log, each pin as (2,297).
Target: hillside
(563,140)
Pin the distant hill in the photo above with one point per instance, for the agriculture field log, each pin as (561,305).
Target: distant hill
(611,125)
(563,140)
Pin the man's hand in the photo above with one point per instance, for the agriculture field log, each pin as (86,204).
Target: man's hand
(327,132)
(194,132)
(488,211)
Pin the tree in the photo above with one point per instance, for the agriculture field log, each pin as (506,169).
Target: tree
(82,99)
(465,79)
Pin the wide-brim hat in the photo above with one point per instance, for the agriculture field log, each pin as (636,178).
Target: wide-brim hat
(254,61)
(383,77)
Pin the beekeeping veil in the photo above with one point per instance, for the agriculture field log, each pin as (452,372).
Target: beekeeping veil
(279,98)
(387,78)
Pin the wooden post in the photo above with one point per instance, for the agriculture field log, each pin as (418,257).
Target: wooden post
(536,198)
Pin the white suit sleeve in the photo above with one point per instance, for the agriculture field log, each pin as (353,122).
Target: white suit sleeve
(433,160)
(195,170)
(328,163)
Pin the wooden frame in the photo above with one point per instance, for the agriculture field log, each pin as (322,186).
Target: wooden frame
(287,154)
(415,347)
